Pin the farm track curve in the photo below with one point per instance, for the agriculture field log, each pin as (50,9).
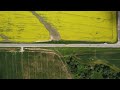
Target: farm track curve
(55,36)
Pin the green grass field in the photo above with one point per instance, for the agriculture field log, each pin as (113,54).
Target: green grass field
(92,63)
(73,26)
(59,63)
(109,54)
(31,65)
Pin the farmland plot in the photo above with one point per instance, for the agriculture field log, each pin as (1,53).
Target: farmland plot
(32,65)
(88,26)
(84,26)
(92,63)
(60,63)
(21,26)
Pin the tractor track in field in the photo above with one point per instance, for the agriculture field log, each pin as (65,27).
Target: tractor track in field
(54,34)
(5,38)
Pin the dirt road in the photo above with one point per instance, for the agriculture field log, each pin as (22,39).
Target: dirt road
(55,36)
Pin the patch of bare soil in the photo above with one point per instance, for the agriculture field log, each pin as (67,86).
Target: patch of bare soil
(9,49)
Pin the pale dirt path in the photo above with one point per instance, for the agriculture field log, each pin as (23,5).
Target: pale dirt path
(55,36)
(5,38)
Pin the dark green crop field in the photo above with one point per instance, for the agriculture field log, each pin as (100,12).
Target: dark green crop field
(32,65)
(60,63)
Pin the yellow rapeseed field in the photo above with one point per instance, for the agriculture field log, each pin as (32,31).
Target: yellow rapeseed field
(22,26)
(91,26)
